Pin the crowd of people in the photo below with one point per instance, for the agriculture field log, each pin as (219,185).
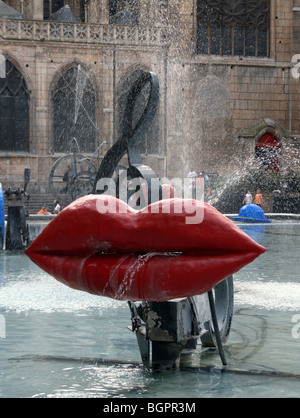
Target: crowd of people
(193,183)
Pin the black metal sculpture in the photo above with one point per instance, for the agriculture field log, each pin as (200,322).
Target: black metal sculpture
(131,136)
(73,175)
(17,236)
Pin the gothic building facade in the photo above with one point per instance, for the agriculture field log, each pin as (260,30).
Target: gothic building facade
(227,71)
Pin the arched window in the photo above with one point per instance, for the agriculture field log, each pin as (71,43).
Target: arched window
(235,27)
(74,111)
(14,110)
(267,151)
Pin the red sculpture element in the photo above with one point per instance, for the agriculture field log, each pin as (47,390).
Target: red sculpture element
(152,254)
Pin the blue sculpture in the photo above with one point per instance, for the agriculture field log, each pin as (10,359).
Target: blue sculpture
(251,213)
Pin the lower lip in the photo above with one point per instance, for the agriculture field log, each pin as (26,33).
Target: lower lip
(152,276)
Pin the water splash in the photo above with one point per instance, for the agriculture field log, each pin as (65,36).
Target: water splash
(137,265)
(80,86)
(268,295)
(46,295)
(228,191)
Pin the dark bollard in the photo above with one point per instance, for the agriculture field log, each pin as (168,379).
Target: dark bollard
(16,230)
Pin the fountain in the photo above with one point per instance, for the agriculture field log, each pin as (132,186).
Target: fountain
(251,213)
(175,256)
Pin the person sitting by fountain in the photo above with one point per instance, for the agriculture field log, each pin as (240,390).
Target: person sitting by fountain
(192,178)
(258,198)
(44,211)
(248,198)
(192,182)
(57,207)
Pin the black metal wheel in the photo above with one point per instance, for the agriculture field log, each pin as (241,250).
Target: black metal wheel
(78,182)
(58,185)
(82,185)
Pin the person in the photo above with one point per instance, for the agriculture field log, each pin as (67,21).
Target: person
(192,176)
(248,198)
(258,198)
(199,186)
(54,204)
(206,193)
(200,176)
(44,211)
(57,207)
(192,181)
(206,179)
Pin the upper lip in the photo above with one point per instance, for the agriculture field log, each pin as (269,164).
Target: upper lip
(80,231)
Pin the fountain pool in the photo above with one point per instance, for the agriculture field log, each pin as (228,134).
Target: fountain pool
(56,342)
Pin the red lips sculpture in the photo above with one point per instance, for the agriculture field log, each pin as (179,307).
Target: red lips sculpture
(153,254)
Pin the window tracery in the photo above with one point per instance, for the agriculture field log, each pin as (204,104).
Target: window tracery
(14,110)
(235,27)
(74,111)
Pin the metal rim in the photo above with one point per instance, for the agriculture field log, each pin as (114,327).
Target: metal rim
(224,300)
